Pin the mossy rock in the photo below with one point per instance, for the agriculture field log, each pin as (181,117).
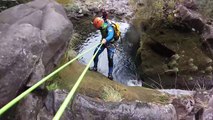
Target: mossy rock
(189,63)
(94,83)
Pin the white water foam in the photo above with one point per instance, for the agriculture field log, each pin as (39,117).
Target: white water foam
(134,83)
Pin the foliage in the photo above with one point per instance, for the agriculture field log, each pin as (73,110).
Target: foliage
(110,94)
(154,12)
(52,87)
(52,83)
(155,8)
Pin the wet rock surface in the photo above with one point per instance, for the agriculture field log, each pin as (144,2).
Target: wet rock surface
(34,37)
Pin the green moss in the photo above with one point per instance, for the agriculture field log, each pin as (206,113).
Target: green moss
(94,84)
(189,63)
(52,87)
(163,98)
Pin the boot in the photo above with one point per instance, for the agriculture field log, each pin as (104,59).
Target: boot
(110,76)
(93,69)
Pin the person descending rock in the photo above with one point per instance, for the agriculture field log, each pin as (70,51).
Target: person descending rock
(107,32)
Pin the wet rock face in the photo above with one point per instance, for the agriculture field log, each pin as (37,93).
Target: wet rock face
(33,37)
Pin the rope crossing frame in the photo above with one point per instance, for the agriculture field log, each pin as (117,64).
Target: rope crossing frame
(25,93)
(71,93)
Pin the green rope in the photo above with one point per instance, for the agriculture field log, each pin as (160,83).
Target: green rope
(71,93)
(18,98)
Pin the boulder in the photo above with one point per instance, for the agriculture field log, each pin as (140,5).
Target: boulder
(208,112)
(90,109)
(204,101)
(29,107)
(84,107)
(33,37)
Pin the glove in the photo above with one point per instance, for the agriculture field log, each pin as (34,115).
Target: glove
(103,41)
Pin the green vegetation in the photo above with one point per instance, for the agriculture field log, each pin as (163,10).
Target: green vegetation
(109,94)
(52,86)
(153,12)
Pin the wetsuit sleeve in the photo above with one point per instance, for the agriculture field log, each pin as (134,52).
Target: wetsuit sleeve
(110,34)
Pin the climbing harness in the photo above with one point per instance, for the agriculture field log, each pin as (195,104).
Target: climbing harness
(18,98)
(71,93)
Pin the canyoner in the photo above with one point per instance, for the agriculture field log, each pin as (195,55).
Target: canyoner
(110,32)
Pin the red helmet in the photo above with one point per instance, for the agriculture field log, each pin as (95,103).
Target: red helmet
(98,22)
